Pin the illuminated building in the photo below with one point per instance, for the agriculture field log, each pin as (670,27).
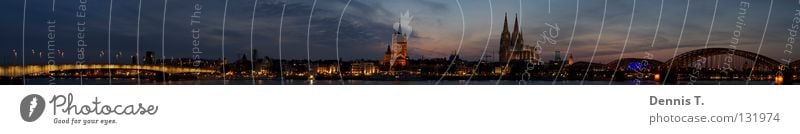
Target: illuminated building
(557,56)
(570,60)
(396,56)
(362,68)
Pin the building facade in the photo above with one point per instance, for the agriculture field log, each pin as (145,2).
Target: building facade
(396,56)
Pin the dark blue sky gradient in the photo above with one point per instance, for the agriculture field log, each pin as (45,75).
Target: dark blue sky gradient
(367,25)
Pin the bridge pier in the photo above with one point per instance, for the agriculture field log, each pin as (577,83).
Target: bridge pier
(669,78)
(618,76)
(787,77)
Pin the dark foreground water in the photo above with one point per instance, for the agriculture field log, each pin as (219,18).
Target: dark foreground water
(362,82)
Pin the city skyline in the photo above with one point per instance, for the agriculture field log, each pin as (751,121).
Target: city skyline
(366,27)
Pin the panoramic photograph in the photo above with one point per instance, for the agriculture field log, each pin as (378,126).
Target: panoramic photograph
(399,66)
(399,42)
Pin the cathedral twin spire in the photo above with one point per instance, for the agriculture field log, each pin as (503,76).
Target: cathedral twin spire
(510,41)
(505,35)
(516,36)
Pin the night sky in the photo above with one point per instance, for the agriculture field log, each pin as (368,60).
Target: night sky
(366,27)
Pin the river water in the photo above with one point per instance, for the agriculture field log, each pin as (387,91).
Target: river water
(362,82)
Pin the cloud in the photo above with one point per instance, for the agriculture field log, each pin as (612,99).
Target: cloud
(367,25)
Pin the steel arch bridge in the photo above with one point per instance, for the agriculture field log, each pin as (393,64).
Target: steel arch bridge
(15,71)
(687,58)
(711,62)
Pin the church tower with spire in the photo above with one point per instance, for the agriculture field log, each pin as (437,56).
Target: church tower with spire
(396,56)
(505,40)
(387,56)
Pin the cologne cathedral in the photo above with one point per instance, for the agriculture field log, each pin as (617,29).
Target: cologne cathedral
(512,46)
